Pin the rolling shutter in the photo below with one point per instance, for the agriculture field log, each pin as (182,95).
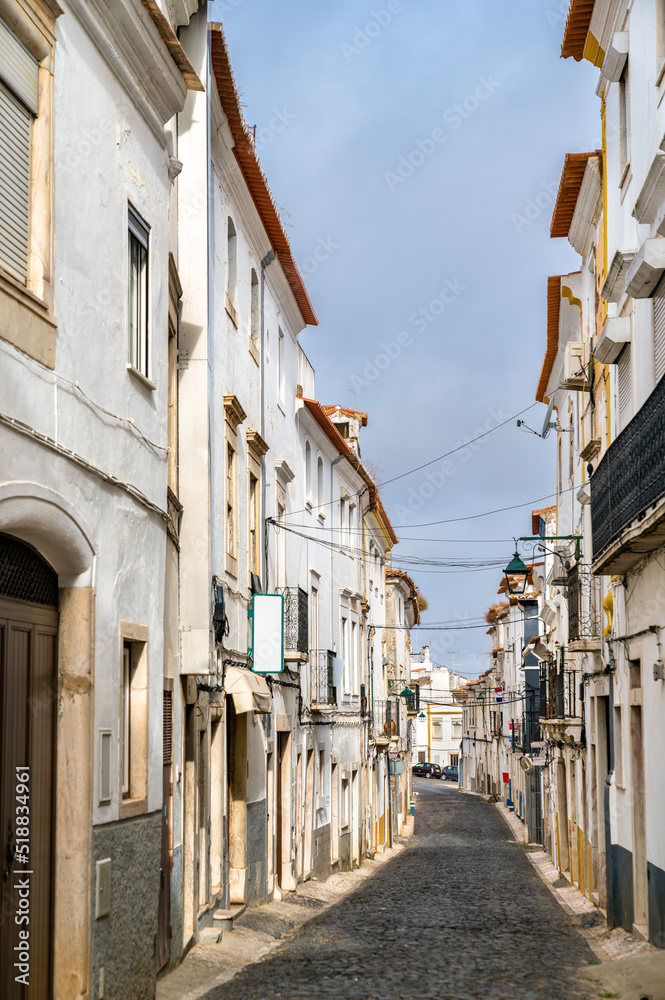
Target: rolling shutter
(659,331)
(18,103)
(624,388)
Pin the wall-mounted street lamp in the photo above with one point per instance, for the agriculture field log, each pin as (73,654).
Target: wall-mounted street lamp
(517,575)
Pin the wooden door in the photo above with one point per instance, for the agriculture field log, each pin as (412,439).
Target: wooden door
(28,696)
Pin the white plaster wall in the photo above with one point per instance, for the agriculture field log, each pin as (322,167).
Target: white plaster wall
(105,156)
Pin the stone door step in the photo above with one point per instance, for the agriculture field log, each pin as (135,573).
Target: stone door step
(224,918)
(210,935)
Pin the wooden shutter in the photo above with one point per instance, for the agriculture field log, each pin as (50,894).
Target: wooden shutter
(624,388)
(19,74)
(659,331)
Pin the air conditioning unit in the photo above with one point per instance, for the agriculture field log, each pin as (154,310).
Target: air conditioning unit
(574,373)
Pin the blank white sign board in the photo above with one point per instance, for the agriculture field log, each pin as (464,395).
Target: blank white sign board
(268,633)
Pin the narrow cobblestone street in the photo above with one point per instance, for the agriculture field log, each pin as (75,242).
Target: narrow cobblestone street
(459,914)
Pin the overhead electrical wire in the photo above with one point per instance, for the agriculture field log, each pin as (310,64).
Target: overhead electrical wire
(432,461)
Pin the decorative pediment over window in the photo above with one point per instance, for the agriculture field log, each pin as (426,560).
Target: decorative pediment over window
(256,444)
(284,471)
(233,411)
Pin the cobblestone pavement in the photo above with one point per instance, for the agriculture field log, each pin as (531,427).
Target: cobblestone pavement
(459,914)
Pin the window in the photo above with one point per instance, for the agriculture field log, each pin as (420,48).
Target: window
(624,388)
(624,121)
(322,773)
(618,747)
(353,657)
(345,801)
(454,759)
(26,180)
(319,481)
(132,729)
(255,311)
(314,612)
(231,270)
(138,292)
(308,472)
(254,521)
(230,501)
(437,730)
(18,106)
(659,332)
(660,32)
(280,365)
(280,569)
(343,430)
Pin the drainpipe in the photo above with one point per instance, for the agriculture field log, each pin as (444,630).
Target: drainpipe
(267,260)
(609,781)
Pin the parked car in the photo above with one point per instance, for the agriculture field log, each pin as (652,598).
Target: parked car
(426,770)
(451,771)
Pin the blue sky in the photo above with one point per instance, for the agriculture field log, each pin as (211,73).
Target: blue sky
(415,148)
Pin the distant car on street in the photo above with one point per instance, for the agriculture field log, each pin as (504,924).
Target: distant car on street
(426,770)
(451,771)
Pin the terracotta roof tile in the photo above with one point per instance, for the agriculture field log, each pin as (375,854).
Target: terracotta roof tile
(572,176)
(553,306)
(577,29)
(255,179)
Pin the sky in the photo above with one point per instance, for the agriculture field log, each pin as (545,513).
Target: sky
(414,148)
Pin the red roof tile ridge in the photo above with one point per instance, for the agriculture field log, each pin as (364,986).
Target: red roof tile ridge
(257,183)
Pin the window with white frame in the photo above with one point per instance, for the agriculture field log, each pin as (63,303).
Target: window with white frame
(353,656)
(138,235)
(437,729)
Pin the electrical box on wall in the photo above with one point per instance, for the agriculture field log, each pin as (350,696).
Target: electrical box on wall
(102,888)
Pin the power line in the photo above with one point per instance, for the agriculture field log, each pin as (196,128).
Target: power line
(432,461)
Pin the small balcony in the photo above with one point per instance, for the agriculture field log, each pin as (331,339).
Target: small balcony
(583,600)
(628,491)
(385,720)
(322,694)
(296,623)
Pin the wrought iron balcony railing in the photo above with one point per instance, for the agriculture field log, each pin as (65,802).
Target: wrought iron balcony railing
(321,690)
(296,619)
(583,601)
(631,475)
(385,723)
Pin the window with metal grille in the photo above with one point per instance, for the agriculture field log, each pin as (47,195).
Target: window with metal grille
(24,575)
(18,106)
(659,332)
(624,388)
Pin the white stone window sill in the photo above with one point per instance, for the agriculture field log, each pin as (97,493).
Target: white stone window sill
(141,377)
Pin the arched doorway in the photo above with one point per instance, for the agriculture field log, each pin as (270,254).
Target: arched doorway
(28,698)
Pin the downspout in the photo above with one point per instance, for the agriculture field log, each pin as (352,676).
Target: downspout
(267,260)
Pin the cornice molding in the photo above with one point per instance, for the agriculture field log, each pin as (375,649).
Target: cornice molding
(233,411)
(256,444)
(129,41)
(284,471)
